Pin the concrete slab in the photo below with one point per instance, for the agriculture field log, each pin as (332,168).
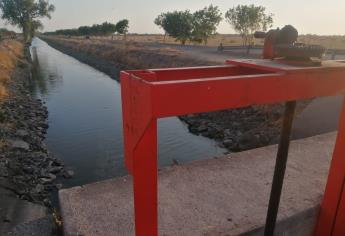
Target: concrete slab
(223,196)
(14,211)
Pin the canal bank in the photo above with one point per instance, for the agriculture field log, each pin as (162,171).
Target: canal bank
(28,173)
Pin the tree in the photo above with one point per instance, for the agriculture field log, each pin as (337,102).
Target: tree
(246,19)
(121,27)
(36,25)
(25,13)
(160,22)
(205,23)
(84,30)
(108,28)
(177,24)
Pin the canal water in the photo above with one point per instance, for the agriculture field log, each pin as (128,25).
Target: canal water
(85,123)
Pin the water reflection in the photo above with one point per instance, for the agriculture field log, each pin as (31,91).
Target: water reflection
(42,80)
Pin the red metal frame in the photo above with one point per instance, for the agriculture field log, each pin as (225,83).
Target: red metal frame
(148,95)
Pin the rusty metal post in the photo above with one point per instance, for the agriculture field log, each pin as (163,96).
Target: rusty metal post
(279,171)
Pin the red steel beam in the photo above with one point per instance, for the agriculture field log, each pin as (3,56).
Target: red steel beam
(151,94)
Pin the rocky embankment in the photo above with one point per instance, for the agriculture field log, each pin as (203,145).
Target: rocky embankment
(26,167)
(236,130)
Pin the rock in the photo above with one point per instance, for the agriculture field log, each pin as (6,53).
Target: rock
(236,124)
(68,174)
(52,176)
(19,144)
(22,133)
(212,132)
(28,169)
(55,169)
(202,128)
(248,141)
(39,188)
(58,186)
(3,171)
(46,202)
(228,143)
(227,132)
(48,179)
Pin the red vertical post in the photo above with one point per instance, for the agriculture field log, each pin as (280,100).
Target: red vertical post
(145,183)
(334,187)
(339,227)
(140,139)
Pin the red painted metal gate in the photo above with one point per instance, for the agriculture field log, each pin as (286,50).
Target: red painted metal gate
(148,95)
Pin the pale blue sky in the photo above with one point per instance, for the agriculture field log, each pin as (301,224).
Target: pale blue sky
(325,17)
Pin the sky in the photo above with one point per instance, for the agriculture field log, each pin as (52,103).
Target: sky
(323,17)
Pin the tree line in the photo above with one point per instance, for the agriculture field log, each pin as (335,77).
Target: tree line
(199,26)
(104,29)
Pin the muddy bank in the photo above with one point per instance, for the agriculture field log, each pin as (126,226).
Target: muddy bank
(26,167)
(236,130)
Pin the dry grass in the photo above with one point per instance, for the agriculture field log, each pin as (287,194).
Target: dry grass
(10,52)
(331,42)
(155,38)
(126,55)
(337,42)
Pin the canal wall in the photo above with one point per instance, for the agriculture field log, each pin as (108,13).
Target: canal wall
(222,196)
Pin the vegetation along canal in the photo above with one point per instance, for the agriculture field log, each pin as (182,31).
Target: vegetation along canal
(85,124)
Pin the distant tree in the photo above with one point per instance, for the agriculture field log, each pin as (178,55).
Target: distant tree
(84,30)
(25,13)
(122,27)
(160,21)
(177,24)
(246,19)
(205,23)
(108,28)
(96,29)
(105,28)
